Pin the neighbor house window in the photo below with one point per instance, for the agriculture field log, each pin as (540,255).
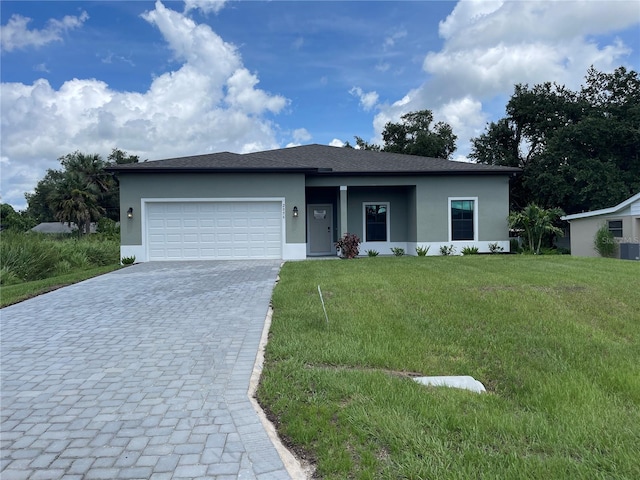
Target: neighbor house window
(376,222)
(463,219)
(615,227)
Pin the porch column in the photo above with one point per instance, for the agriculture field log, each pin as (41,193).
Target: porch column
(342,226)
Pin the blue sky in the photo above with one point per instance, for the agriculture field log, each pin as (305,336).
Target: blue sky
(164,79)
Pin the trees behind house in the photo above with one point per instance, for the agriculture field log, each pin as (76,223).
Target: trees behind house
(414,135)
(535,223)
(81,192)
(578,150)
(12,220)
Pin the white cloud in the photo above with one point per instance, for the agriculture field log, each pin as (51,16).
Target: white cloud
(466,118)
(206,6)
(111,57)
(210,103)
(301,135)
(368,100)
(489,46)
(336,143)
(15,34)
(390,41)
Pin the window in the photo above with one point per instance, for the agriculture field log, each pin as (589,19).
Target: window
(615,227)
(376,222)
(462,219)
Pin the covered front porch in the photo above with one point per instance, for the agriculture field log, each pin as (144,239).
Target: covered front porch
(382,216)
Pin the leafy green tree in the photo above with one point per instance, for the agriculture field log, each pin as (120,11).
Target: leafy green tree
(81,181)
(12,220)
(414,135)
(579,150)
(38,205)
(362,145)
(119,157)
(536,222)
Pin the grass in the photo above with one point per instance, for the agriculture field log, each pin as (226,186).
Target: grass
(556,341)
(17,293)
(32,264)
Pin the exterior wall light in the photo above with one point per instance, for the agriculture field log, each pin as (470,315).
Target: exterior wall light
(295,211)
(130,212)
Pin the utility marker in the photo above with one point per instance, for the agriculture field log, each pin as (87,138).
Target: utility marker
(323,307)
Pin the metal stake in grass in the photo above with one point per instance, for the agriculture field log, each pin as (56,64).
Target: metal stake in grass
(323,307)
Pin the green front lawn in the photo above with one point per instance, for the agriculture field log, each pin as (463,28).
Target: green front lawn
(555,339)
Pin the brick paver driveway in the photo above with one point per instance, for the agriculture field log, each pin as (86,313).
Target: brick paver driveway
(140,373)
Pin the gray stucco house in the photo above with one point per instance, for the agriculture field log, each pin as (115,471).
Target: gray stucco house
(295,202)
(622,220)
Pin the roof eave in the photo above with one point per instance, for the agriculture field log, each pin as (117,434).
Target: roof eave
(397,173)
(207,170)
(603,211)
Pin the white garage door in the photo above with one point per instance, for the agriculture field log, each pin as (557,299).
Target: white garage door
(214,230)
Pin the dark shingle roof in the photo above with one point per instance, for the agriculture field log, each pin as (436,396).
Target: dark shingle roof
(314,159)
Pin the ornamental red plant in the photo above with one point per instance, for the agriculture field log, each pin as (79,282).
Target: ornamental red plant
(349,245)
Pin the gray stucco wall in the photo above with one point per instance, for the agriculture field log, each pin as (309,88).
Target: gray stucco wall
(426,199)
(418,205)
(135,187)
(432,205)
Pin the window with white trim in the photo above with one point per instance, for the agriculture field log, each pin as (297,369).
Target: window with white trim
(462,214)
(376,222)
(615,227)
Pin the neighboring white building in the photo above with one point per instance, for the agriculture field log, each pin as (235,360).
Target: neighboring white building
(623,221)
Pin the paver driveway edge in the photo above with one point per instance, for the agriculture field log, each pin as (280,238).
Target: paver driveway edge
(294,466)
(140,373)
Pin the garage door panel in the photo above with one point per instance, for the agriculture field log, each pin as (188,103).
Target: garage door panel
(240,238)
(190,238)
(175,208)
(214,230)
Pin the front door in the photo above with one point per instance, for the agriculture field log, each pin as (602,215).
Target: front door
(320,230)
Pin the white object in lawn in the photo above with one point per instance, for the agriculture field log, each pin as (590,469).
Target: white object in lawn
(464,381)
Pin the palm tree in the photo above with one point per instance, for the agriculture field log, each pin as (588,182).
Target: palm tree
(535,222)
(87,174)
(90,168)
(75,202)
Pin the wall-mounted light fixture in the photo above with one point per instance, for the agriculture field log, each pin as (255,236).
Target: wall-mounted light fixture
(295,211)
(130,212)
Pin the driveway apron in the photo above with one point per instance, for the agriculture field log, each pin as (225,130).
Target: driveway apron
(140,373)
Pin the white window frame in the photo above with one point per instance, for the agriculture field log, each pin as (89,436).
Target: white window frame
(609,220)
(475,218)
(364,222)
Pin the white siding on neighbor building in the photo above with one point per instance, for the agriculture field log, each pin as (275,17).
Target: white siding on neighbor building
(214,230)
